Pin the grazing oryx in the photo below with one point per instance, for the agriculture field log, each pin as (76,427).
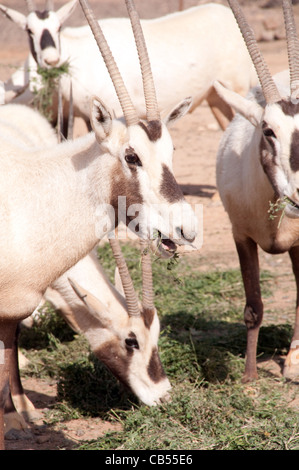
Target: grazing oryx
(257,169)
(58,202)
(190,49)
(122,335)
(126,343)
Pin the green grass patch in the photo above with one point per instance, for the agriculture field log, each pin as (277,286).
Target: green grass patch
(202,346)
(44,93)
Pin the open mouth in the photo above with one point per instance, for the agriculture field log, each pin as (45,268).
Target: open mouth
(164,246)
(291,206)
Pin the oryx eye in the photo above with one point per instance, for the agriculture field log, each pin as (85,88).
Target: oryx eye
(132,343)
(268,132)
(132,159)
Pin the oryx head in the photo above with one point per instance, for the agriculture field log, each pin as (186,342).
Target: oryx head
(278,120)
(43,28)
(126,340)
(144,151)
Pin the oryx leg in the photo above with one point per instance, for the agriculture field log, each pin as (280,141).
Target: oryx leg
(7,335)
(291,366)
(23,407)
(253,312)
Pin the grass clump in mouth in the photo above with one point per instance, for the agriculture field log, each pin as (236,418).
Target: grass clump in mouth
(44,91)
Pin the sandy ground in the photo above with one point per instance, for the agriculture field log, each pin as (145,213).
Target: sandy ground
(196,140)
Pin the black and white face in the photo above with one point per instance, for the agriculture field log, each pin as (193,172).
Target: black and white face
(43,28)
(142,180)
(280,152)
(127,345)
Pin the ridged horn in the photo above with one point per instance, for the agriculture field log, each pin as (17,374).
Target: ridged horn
(130,294)
(152,109)
(147,276)
(71,119)
(267,83)
(121,91)
(293,47)
(30,5)
(49,5)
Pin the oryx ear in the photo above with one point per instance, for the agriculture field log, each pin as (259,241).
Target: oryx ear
(66,10)
(100,119)
(95,307)
(178,111)
(249,109)
(15,16)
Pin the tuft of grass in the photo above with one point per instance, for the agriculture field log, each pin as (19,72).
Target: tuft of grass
(48,84)
(202,346)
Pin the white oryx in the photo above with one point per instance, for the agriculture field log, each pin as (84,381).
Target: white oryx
(58,202)
(127,345)
(190,49)
(258,173)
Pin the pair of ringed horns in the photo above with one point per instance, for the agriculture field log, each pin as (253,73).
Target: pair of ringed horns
(127,283)
(130,114)
(31,5)
(268,85)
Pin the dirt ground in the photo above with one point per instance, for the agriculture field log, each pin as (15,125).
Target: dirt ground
(196,139)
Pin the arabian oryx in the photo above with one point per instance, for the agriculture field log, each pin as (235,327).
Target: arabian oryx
(59,201)
(257,170)
(121,333)
(124,339)
(190,49)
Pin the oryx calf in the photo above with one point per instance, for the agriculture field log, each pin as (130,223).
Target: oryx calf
(258,163)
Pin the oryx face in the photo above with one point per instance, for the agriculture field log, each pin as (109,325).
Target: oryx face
(279,119)
(43,28)
(280,152)
(144,193)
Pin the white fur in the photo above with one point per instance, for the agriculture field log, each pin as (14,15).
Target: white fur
(59,197)
(26,129)
(247,191)
(189,50)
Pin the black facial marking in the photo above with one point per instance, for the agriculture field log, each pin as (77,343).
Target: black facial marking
(169,188)
(131,343)
(46,40)
(155,368)
(42,15)
(288,107)
(148,316)
(124,187)
(132,158)
(267,158)
(268,140)
(294,151)
(153,129)
(31,45)
(119,365)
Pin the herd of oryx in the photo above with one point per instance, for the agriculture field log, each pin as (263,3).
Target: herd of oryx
(130,80)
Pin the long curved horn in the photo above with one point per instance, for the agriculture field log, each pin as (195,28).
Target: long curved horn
(268,85)
(152,110)
(30,5)
(49,5)
(121,91)
(130,294)
(147,277)
(293,47)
